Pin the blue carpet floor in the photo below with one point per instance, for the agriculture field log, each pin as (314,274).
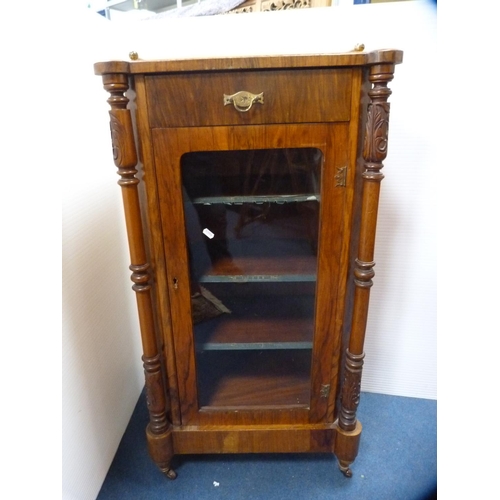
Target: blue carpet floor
(397,461)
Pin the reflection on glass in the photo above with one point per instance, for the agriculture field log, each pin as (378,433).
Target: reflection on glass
(252,231)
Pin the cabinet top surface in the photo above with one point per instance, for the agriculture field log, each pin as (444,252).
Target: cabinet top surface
(383,56)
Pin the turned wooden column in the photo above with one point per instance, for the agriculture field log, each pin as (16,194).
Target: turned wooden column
(374,152)
(125,158)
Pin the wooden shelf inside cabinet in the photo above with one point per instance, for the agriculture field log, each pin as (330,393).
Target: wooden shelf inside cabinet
(252,243)
(240,336)
(266,269)
(257,379)
(255,323)
(257,199)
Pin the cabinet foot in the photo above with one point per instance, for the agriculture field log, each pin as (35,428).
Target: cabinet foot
(161,450)
(346,447)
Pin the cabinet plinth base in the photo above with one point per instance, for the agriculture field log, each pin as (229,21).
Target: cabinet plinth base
(254,439)
(346,447)
(312,438)
(161,450)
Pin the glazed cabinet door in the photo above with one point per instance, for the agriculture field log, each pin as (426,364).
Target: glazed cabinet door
(253,221)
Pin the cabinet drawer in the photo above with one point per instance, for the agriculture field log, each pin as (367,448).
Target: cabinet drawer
(288,96)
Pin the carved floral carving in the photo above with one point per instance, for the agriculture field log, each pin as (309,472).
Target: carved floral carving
(117,132)
(377,131)
(351,394)
(351,390)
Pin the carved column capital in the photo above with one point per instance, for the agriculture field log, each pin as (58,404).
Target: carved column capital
(377,122)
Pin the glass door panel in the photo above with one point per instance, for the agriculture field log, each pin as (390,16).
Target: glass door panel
(252,235)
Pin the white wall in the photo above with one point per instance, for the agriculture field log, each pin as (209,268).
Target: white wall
(101,353)
(102,374)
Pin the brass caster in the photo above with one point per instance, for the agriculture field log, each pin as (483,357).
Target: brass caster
(170,473)
(344,468)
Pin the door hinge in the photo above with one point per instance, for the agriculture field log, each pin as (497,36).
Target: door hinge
(341,176)
(324,391)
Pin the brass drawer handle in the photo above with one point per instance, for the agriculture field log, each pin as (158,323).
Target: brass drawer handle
(243,100)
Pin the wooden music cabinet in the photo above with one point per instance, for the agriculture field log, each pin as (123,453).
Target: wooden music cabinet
(251,236)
